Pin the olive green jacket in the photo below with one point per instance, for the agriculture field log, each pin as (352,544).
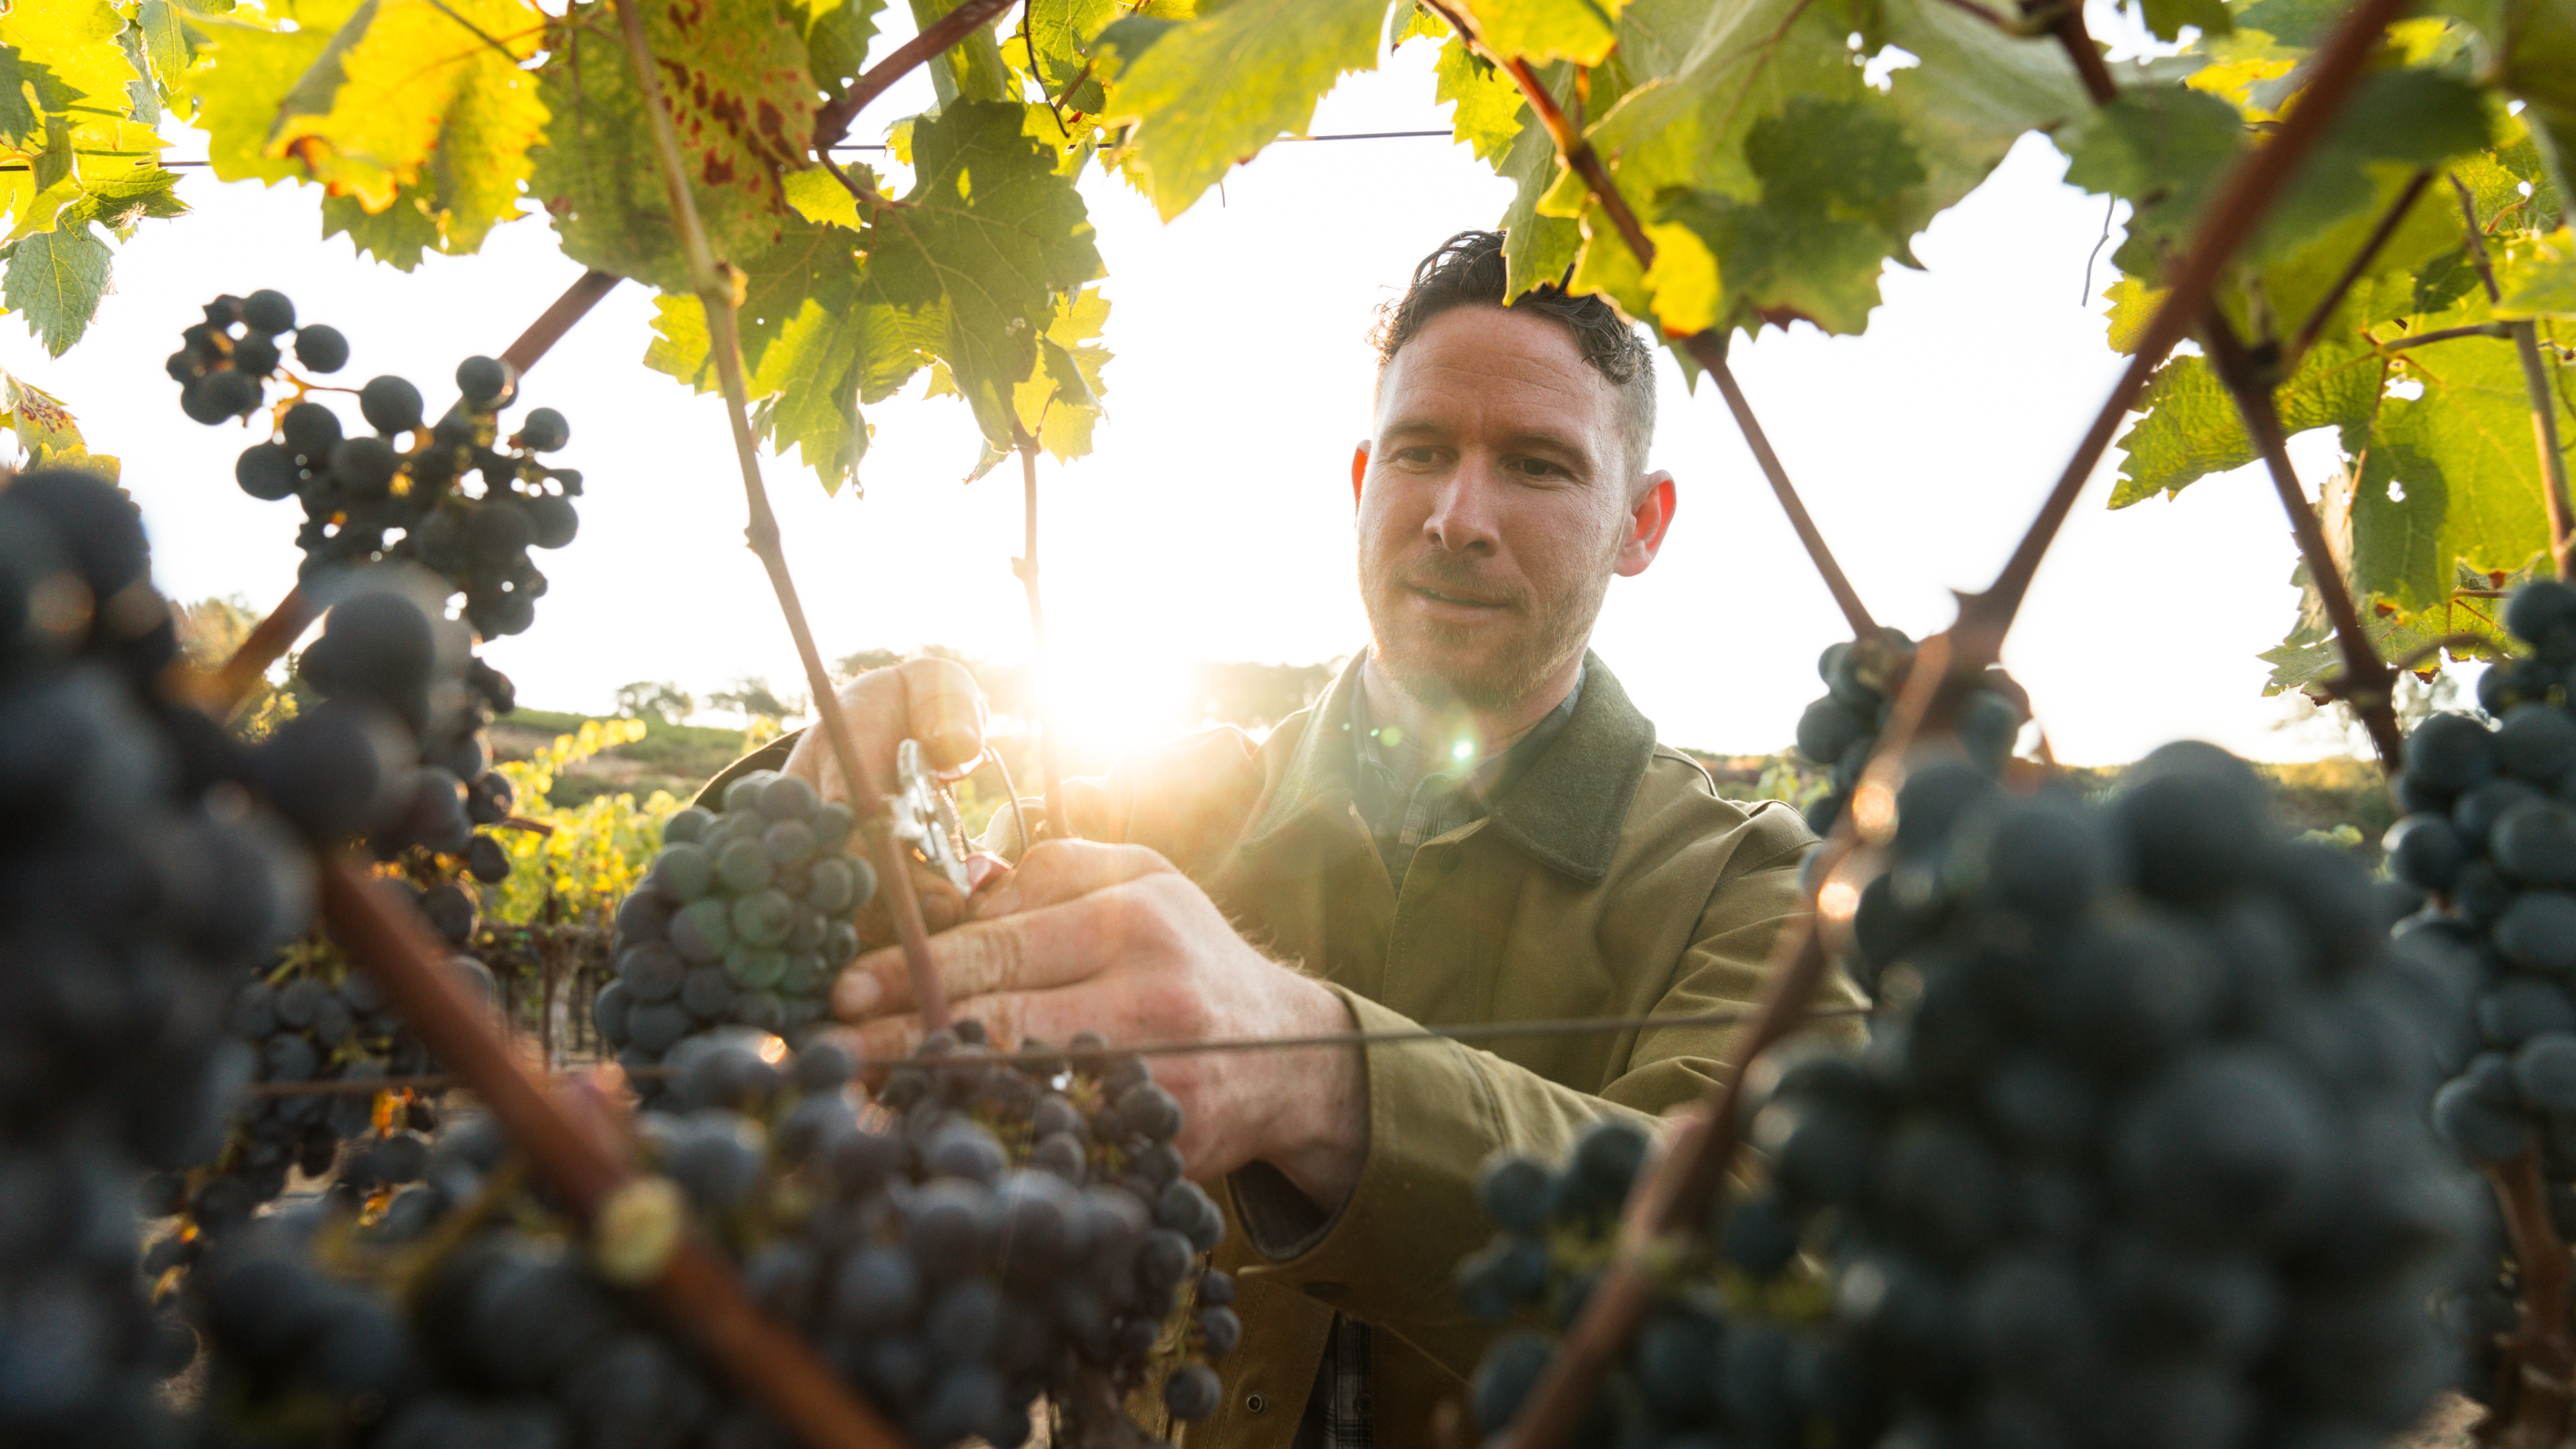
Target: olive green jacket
(1610,879)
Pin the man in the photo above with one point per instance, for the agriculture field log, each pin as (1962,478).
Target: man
(1473,824)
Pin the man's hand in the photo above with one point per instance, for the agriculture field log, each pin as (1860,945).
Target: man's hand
(932,700)
(1110,938)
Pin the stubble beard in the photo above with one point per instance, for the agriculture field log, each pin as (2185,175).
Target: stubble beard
(1487,667)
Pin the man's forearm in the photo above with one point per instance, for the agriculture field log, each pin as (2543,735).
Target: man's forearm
(1320,1138)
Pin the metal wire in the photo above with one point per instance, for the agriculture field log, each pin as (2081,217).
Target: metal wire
(1058,1055)
(1335,136)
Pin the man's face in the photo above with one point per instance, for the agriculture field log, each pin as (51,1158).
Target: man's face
(1495,502)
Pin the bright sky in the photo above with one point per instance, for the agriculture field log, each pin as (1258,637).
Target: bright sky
(1213,521)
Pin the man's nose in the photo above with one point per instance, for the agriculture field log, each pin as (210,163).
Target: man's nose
(1462,510)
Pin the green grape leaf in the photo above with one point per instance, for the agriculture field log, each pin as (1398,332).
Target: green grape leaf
(745,116)
(2535,63)
(1977,91)
(2190,428)
(836,33)
(165,45)
(1214,91)
(1840,182)
(1580,31)
(1536,249)
(1487,117)
(399,236)
(119,203)
(2167,17)
(54,280)
(2308,659)
(2292,287)
(2292,22)
(2161,150)
(990,234)
(1062,400)
(2397,121)
(1061,32)
(2451,478)
(2537,276)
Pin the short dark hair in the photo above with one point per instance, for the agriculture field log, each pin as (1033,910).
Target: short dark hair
(1469,270)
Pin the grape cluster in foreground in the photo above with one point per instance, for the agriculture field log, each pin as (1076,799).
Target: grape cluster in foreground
(1011,1231)
(2135,1157)
(376,496)
(2490,836)
(1862,680)
(137,880)
(744,919)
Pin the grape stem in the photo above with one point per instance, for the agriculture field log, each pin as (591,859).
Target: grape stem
(2540,1348)
(718,287)
(557,319)
(1026,567)
(582,1164)
(2368,684)
(832,120)
(1707,348)
(2544,400)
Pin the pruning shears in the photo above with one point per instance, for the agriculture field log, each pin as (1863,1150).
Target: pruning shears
(925,815)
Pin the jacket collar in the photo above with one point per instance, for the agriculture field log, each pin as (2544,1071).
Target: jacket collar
(1565,811)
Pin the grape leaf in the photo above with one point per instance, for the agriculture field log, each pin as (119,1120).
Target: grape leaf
(74,43)
(1536,248)
(1487,114)
(1214,91)
(38,417)
(244,71)
(1061,401)
(54,280)
(22,81)
(597,172)
(990,234)
(1840,188)
(2190,428)
(399,236)
(2396,120)
(1977,91)
(2167,17)
(414,91)
(2538,277)
(2161,150)
(836,33)
(2452,477)
(1542,30)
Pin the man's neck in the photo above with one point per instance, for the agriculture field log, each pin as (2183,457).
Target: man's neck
(1456,732)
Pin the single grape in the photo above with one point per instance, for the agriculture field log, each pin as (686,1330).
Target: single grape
(268,472)
(321,348)
(544,430)
(390,405)
(219,397)
(364,467)
(482,380)
(268,312)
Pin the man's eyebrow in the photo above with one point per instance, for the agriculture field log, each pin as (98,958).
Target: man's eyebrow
(1546,440)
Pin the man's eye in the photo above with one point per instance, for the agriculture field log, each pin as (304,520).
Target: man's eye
(1421,457)
(1538,467)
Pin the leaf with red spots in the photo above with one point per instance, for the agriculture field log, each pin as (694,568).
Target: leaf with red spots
(734,75)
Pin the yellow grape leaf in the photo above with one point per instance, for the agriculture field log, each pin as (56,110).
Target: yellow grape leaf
(414,90)
(1545,30)
(243,73)
(76,41)
(1488,114)
(1683,282)
(818,197)
(1059,410)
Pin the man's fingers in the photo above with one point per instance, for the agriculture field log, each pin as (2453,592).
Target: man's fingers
(1052,946)
(1055,871)
(1009,1018)
(931,700)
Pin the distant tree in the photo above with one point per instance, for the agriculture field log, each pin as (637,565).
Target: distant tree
(754,698)
(655,699)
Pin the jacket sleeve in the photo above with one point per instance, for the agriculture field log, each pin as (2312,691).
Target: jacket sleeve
(1436,1112)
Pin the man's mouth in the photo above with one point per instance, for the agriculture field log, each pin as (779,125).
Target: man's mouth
(1463,601)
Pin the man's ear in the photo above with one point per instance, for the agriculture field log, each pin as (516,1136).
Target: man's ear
(1646,525)
(1359,471)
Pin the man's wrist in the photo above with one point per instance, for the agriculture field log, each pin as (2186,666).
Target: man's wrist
(1319,1136)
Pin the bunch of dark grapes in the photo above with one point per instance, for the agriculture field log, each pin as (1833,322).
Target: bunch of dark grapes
(138,880)
(1862,679)
(2490,837)
(745,918)
(381,497)
(942,1256)
(1711,1362)
(393,678)
(2136,1157)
